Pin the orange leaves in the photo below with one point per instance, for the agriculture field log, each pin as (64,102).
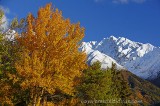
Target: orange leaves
(50,58)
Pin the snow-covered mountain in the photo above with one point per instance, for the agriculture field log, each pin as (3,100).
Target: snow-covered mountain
(140,59)
(10,34)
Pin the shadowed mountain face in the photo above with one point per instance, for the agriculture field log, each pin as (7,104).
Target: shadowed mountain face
(156,81)
(142,91)
(141,59)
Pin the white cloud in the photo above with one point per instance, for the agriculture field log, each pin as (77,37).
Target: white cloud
(138,1)
(4,26)
(120,1)
(97,1)
(5,10)
(128,1)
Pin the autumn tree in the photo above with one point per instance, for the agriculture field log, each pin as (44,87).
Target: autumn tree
(50,59)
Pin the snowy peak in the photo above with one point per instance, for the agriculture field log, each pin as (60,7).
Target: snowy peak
(95,55)
(112,38)
(10,34)
(88,46)
(126,53)
(106,61)
(123,47)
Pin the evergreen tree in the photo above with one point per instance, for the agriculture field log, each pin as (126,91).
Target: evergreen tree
(1,16)
(103,87)
(4,99)
(95,85)
(120,88)
(10,91)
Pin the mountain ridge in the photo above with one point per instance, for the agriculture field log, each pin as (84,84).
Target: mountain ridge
(141,59)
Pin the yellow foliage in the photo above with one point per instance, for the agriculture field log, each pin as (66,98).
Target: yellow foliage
(5,93)
(50,58)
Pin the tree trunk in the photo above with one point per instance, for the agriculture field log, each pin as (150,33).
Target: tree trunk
(38,97)
(36,100)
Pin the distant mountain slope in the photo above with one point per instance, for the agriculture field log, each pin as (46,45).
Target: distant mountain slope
(156,81)
(95,55)
(142,90)
(140,59)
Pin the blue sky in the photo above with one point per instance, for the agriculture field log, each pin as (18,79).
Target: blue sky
(138,20)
